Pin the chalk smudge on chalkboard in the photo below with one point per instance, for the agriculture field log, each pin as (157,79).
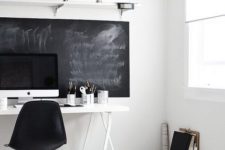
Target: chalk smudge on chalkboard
(102,55)
(36,38)
(13,36)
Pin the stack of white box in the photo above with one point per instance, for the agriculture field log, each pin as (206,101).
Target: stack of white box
(3,104)
(165,136)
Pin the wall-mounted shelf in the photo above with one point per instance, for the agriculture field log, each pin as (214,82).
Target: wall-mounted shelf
(30,3)
(57,4)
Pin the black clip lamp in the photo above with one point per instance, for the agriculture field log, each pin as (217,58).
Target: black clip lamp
(125,6)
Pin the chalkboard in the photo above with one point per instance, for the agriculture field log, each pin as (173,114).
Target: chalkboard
(97,51)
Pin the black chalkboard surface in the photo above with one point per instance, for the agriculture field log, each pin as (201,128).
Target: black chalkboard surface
(97,51)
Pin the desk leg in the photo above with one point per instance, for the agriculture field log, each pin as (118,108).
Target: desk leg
(108,130)
(105,126)
(88,129)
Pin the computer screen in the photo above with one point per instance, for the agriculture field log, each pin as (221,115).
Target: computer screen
(28,71)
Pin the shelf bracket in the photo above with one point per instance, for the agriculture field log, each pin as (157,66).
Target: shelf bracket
(98,1)
(56,9)
(122,7)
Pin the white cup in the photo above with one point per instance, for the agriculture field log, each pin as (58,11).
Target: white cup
(103,96)
(88,99)
(71,98)
(3,103)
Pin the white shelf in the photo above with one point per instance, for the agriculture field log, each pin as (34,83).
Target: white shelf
(30,3)
(57,4)
(60,2)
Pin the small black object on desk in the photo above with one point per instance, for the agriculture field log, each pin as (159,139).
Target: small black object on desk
(68,105)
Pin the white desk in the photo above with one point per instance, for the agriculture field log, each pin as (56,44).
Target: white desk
(96,108)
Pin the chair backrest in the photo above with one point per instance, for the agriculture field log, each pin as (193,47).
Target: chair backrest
(40,125)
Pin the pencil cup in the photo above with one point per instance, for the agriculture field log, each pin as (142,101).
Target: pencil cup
(3,103)
(103,96)
(84,98)
(71,98)
(92,96)
(88,99)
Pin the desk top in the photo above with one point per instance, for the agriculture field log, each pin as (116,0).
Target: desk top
(70,110)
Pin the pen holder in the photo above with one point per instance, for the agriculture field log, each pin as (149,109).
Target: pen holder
(88,99)
(3,103)
(71,98)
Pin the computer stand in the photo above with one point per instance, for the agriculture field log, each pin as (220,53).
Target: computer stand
(22,100)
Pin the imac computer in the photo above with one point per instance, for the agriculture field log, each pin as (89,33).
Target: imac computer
(26,76)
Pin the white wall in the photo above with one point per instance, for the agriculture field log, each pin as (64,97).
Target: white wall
(140,128)
(205,116)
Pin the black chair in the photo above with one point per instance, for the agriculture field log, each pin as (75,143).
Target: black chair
(39,126)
